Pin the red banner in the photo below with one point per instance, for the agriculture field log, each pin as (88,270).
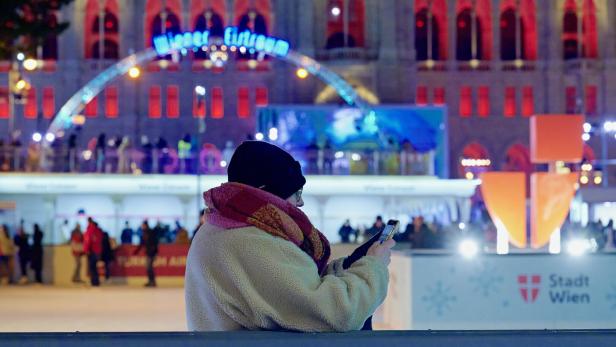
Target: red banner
(170,261)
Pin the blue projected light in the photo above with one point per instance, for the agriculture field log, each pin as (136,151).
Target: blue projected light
(165,44)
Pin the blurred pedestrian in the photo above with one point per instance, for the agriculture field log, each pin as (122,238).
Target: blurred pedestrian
(93,248)
(346,231)
(124,155)
(23,252)
(77,250)
(184,152)
(72,153)
(107,254)
(201,222)
(34,157)
(126,238)
(101,143)
(7,251)
(36,261)
(149,240)
(376,228)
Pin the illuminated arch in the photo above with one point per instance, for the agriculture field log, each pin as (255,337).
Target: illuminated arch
(473,150)
(154,10)
(329,94)
(64,118)
(517,158)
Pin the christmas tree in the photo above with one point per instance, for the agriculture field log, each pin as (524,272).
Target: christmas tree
(25,24)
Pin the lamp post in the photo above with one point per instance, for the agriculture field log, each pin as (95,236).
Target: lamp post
(201,93)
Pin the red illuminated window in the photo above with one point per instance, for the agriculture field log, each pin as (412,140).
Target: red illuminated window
(591,100)
(30,108)
(421,95)
(528,101)
(483,106)
(570,99)
(173,101)
(154,108)
(199,110)
(466,102)
(439,96)
(111,102)
(262,98)
(243,102)
(49,103)
(4,103)
(218,107)
(91,109)
(509,106)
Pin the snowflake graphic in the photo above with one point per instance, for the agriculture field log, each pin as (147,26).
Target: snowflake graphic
(486,281)
(439,298)
(611,297)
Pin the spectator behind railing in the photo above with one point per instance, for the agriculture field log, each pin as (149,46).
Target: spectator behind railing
(118,155)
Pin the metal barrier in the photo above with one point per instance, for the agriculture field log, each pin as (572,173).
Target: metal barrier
(508,338)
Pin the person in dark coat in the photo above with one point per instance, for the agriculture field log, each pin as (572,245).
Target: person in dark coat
(149,241)
(107,256)
(376,228)
(126,238)
(36,262)
(345,232)
(23,252)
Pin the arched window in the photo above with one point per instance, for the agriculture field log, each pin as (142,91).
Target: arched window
(508,35)
(103,37)
(426,29)
(345,24)
(155,25)
(50,44)
(474,151)
(482,40)
(464,40)
(435,27)
(254,16)
(510,48)
(208,16)
(570,34)
(572,42)
(517,158)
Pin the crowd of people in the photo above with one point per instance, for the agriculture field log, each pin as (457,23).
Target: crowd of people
(94,244)
(114,154)
(20,248)
(121,154)
(419,234)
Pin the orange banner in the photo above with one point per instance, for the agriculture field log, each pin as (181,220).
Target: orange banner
(551,196)
(556,137)
(505,196)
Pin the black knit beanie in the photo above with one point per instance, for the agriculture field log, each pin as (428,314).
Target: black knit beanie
(263,165)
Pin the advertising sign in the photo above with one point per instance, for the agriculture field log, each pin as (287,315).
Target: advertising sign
(513,292)
(170,261)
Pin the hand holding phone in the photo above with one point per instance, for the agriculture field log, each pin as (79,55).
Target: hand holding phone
(390,230)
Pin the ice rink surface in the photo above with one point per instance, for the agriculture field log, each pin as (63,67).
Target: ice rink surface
(112,309)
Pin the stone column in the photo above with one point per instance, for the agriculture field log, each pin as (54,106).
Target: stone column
(496,56)
(49,214)
(186,222)
(387,13)
(118,204)
(305,28)
(451,33)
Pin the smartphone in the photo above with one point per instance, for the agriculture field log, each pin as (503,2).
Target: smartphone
(390,230)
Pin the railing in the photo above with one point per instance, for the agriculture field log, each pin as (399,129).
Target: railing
(36,158)
(347,53)
(504,338)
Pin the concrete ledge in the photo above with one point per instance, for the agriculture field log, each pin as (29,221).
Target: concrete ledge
(507,338)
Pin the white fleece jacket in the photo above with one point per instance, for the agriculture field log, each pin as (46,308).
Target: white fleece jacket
(248,279)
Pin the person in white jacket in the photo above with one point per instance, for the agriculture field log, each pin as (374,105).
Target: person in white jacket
(257,263)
